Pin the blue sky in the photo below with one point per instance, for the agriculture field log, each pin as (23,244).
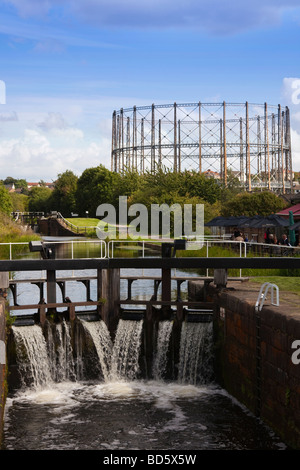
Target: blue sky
(67,65)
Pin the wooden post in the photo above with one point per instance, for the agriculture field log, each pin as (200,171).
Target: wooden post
(220,277)
(166,284)
(4,280)
(109,291)
(42,313)
(51,287)
(72,312)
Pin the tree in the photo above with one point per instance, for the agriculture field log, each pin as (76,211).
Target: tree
(94,187)
(196,184)
(19,202)
(19,183)
(250,204)
(5,200)
(40,199)
(63,197)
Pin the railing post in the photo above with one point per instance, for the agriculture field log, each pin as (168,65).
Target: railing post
(51,286)
(207,256)
(42,313)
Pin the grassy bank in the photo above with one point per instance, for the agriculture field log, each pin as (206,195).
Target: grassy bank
(12,232)
(284,283)
(84,225)
(221,252)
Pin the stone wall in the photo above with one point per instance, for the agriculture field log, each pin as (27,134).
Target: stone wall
(256,355)
(55,228)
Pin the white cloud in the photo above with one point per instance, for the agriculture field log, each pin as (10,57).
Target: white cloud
(34,157)
(295,138)
(10,116)
(57,126)
(291,97)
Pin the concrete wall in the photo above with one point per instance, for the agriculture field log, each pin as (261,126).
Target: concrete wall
(2,365)
(256,357)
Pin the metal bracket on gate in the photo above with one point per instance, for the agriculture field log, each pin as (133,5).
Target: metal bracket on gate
(262,296)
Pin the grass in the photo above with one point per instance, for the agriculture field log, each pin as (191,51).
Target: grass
(284,283)
(11,232)
(83,221)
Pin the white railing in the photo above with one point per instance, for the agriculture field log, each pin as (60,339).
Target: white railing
(109,249)
(71,247)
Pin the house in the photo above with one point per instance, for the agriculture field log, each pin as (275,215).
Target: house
(211,174)
(34,185)
(295,209)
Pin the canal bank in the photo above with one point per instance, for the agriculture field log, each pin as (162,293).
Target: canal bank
(242,379)
(256,353)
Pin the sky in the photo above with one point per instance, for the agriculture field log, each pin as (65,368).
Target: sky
(66,65)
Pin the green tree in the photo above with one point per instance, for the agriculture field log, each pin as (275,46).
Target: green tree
(129,182)
(196,184)
(19,202)
(5,200)
(19,183)
(63,197)
(94,187)
(39,199)
(250,204)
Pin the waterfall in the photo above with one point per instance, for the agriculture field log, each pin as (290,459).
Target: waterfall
(195,365)
(46,359)
(43,361)
(65,369)
(126,349)
(160,358)
(103,344)
(31,349)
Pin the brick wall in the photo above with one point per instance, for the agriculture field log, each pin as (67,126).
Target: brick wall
(254,358)
(2,365)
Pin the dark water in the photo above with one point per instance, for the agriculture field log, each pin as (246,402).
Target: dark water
(132,416)
(121,413)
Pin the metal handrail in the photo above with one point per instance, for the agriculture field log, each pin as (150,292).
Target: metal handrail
(262,296)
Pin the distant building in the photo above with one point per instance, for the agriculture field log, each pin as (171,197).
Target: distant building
(211,174)
(34,185)
(10,187)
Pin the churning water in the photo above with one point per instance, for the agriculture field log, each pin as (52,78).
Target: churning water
(58,408)
(62,411)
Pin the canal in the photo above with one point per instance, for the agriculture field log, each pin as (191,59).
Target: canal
(65,411)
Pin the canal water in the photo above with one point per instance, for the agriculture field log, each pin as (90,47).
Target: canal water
(61,410)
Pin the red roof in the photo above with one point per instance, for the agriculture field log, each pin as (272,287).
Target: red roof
(295,209)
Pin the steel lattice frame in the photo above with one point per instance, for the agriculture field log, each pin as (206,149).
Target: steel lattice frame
(252,141)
